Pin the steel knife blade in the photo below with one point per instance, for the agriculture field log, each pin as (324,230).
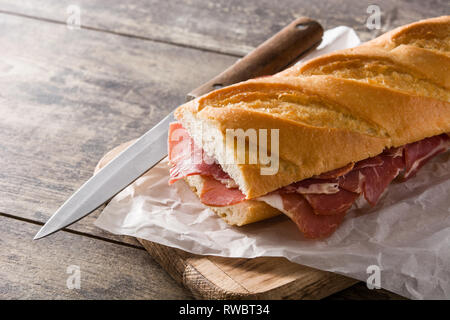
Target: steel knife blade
(129,165)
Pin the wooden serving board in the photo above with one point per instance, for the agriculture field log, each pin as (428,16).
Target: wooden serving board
(212,277)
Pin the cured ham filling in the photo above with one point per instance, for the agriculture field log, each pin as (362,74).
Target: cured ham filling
(317,205)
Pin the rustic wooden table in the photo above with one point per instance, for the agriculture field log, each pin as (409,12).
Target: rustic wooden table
(68,95)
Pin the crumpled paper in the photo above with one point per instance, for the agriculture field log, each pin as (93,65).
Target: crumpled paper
(406,236)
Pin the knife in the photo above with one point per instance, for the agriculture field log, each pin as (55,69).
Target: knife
(272,56)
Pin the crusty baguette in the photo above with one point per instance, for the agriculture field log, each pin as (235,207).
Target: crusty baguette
(335,109)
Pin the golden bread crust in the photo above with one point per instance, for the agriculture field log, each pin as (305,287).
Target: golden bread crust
(339,108)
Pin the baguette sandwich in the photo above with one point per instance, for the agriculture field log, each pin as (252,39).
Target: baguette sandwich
(316,136)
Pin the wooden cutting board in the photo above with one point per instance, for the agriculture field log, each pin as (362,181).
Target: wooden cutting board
(212,277)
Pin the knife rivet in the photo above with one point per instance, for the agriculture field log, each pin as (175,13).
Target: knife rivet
(217,86)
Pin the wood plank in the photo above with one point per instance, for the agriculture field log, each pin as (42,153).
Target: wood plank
(230,26)
(67,96)
(38,269)
(211,277)
(360,291)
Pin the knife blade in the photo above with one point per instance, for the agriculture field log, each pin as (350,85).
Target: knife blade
(129,165)
(270,57)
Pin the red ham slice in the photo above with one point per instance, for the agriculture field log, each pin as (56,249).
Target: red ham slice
(186,159)
(369,163)
(378,178)
(312,225)
(394,152)
(317,205)
(352,181)
(373,177)
(418,153)
(331,204)
(324,195)
(214,193)
(333,174)
(313,186)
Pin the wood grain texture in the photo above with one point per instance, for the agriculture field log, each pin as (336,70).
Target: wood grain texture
(229,26)
(284,48)
(38,269)
(360,291)
(211,277)
(67,96)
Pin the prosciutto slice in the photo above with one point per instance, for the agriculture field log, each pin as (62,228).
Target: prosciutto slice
(337,172)
(369,163)
(373,176)
(330,204)
(377,179)
(352,181)
(323,195)
(186,159)
(313,186)
(418,153)
(317,205)
(215,193)
(312,225)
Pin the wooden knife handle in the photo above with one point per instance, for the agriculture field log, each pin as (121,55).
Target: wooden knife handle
(270,57)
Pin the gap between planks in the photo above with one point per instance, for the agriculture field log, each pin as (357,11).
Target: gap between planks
(123,34)
(10,216)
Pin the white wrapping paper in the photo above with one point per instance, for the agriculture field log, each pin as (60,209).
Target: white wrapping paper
(406,236)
